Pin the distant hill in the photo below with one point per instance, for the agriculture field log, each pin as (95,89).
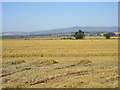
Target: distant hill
(61,30)
(76,28)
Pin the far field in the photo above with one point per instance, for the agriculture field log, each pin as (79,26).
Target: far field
(37,63)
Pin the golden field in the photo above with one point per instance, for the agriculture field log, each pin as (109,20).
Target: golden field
(33,63)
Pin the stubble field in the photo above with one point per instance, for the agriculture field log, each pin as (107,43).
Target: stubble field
(60,63)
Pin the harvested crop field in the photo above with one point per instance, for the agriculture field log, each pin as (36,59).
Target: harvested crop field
(60,63)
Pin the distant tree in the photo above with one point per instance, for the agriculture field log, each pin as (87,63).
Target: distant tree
(21,36)
(107,36)
(67,37)
(64,38)
(79,35)
(112,34)
(70,38)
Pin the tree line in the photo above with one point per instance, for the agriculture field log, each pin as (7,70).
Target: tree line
(80,35)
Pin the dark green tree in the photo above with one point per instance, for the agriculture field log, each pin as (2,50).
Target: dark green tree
(107,36)
(112,34)
(79,35)
(21,36)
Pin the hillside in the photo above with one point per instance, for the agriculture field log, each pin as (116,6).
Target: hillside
(52,32)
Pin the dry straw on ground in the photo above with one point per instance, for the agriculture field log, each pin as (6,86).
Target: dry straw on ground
(60,63)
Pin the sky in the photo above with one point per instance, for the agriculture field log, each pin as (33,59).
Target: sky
(0,17)
(39,16)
